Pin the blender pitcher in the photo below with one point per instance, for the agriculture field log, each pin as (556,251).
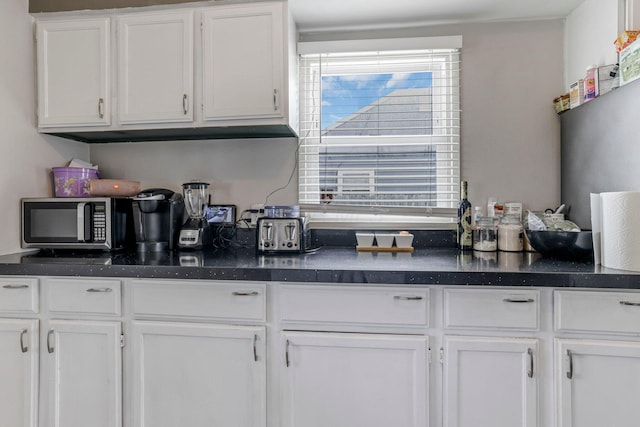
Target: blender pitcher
(195,233)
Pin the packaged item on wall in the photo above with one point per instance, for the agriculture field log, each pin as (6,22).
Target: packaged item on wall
(625,39)
(561,103)
(576,93)
(590,83)
(630,63)
(608,78)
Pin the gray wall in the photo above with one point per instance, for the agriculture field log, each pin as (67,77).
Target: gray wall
(600,149)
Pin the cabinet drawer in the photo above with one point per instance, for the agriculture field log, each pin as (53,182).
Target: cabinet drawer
(355,305)
(18,295)
(227,300)
(492,308)
(84,296)
(597,311)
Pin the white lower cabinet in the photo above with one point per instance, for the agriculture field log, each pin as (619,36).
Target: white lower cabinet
(198,375)
(18,372)
(82,373)
(598,383)
(490,382)
(347,380)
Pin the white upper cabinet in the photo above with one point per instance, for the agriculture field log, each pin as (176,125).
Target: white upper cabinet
(199,72)
(73,58)
(155,67)
(243,58)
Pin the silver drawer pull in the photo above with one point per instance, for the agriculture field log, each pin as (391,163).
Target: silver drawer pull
(519,300)
(245,293)
(93,290)
(630,303)
(24,348)
(408,297)
(50,348)
(101,108)
(570,371)
(15,286)
(530,371)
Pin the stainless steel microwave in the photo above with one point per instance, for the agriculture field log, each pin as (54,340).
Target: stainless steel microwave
(102,223)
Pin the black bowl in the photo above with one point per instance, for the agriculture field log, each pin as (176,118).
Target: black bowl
(571,245)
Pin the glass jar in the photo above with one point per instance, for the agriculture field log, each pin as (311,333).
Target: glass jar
(485,235)
(510,234)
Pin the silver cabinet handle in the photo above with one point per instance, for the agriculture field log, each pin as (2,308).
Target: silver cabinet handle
(519,300)
(102,290)
(50,348)
(630,303)
(15,286)
(530,371)
(408,297)
(23,347)
(570,371)
(101,108)
(286,354)
(185,106)
(255,349)
(245,293)
(275,100)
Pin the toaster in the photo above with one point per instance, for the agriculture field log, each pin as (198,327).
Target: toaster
(282,235)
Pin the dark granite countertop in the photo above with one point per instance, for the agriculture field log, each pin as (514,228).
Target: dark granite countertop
(429,266)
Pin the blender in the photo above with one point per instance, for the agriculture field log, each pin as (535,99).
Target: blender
(195,233)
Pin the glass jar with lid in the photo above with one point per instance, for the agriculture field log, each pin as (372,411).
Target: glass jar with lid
(510,234)
(485,234)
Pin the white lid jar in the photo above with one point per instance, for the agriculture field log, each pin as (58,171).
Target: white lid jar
(510,234)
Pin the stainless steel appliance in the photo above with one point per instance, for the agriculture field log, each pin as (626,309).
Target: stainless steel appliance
(282,235)
(102,223)
(157,215)
(195,233)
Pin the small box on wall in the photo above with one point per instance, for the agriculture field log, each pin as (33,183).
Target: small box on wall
(576,94)
(630,63)
(607,79)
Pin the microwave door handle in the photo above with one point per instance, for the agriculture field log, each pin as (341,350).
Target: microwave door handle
(83,226)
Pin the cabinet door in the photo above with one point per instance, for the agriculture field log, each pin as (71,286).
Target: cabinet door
(598,383)
(155,74)
(73,72)
(198,375)
(83,373)
(346,380)
(19,372)
(243,61)
(490,382)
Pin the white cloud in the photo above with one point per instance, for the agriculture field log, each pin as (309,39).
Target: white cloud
(397,78)
(326,104)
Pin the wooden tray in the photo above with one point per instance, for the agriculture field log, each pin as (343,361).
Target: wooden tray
(377,249)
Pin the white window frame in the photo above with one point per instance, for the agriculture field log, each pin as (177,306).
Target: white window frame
(428,218)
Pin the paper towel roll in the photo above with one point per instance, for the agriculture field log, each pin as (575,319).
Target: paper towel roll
(596,227)
(621,230)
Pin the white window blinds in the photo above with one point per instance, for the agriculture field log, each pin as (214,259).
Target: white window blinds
(380,128)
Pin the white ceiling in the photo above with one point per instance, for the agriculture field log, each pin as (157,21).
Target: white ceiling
(317,15)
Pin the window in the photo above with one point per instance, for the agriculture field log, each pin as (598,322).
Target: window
(380,128)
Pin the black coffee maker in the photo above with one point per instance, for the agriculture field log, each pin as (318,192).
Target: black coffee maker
(157,217)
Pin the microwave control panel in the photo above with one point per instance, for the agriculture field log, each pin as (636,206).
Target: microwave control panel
(99,222)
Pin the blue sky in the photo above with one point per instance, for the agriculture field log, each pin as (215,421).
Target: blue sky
(344,95)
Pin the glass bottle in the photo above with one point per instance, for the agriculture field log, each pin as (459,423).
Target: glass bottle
(464,236)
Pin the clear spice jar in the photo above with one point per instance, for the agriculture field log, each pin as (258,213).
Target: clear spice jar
(485,235)
(510,234)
